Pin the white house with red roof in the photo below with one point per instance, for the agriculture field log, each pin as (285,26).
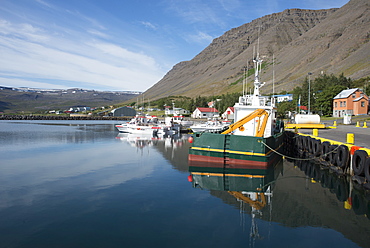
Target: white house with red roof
(228,114)
(205,113)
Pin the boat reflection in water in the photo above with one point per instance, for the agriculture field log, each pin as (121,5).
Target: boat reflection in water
(146,140)
(250,187)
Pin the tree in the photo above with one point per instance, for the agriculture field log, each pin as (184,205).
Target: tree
(362,83)
(323,89)
(284,107)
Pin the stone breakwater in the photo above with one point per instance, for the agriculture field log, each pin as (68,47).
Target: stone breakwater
(41,117)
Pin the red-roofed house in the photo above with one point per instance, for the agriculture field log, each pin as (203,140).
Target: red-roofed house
(229,113)
(205,113)
(350,102)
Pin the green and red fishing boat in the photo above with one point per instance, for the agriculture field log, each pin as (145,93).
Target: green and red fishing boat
(253,141)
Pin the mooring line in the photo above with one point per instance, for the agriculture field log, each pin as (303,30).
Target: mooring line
(297,158)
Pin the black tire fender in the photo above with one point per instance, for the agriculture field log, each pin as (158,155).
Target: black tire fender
(358,162)
(325,146)
(317,148)
(342,156)
(332,154)
(299,142)
(311,143)
(367,169)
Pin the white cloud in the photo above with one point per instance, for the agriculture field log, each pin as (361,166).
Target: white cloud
(22,31)
(149,25)
(126,56)
(201,38)
(44,3)
(16,82)
(79,16)
(194,11)
(230,5)
(32,53)
(98,33)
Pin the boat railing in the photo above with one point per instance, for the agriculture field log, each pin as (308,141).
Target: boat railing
(248,99)
(245,100)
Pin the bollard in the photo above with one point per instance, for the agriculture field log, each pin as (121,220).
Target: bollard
(358,124)
(350,138)
(315,132)
(364,125)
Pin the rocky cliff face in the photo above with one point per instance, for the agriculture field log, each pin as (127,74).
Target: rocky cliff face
(301,41)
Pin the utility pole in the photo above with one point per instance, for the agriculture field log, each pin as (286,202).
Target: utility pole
(309,92)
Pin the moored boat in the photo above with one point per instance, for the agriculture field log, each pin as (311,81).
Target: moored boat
(252,141)
(212,125)
(147,125)
(180,120)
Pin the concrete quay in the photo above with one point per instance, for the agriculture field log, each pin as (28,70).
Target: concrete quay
(361,135)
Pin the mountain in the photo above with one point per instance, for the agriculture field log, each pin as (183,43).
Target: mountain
(330,41)
(38,100)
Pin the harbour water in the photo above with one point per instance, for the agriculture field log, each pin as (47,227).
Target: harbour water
(82,184)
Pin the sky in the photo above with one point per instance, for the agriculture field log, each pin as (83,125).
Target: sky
(116,45)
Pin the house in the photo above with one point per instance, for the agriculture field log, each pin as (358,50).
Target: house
(205,113)
(284,98)
(79,109)
(350,102)
(228,114)
(176,111)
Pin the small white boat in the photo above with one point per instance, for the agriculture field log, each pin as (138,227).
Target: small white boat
(210,125)
(141,124)
(123,128)
(147,125)
(180,120)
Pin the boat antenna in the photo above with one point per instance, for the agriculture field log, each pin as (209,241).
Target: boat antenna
(273,79)
(246,79)
(244,82)
(258,41)
(254,48)
(257,84)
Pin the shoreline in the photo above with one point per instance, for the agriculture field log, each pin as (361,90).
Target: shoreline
(42,117)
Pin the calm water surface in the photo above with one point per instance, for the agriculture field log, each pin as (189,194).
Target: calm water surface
(82,184)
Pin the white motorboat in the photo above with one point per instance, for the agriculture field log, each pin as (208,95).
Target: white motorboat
(211,125)
(141,124)
(147,125)
(180,120)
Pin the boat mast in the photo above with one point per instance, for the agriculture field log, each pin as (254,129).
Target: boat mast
(244,83)
(273,81)
(257,84)
(257,66)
